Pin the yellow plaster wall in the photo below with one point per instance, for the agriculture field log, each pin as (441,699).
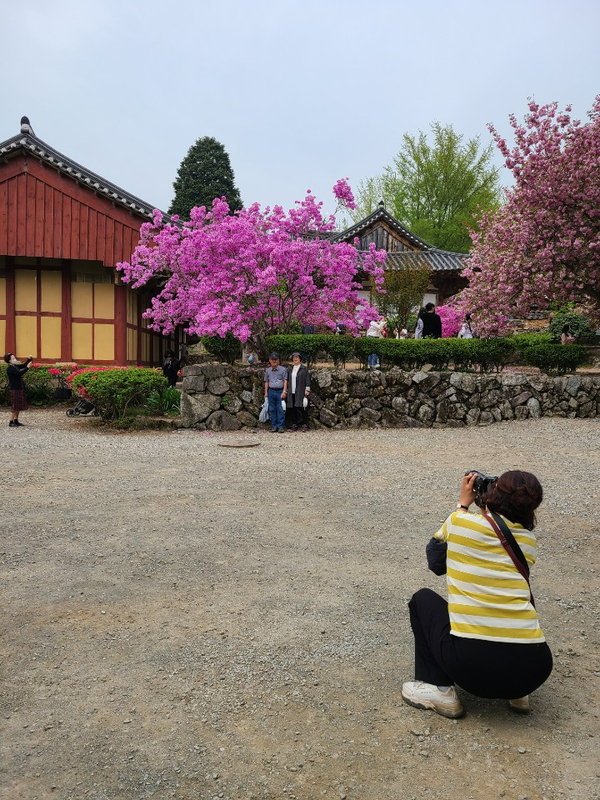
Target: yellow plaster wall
(82,340)
(50,335)
(51,291)
(104,342)
(26,336)
(81,300)
(2,335)
(2,296)
(25,290)
(104,301)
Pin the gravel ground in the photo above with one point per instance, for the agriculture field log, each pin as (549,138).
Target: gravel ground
(185,620)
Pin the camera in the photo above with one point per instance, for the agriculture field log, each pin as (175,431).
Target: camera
(482,483)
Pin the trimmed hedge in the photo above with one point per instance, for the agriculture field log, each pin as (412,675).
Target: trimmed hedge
(116,391)
(464,354)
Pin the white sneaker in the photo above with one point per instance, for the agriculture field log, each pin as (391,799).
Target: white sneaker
(428,696)
(520,705)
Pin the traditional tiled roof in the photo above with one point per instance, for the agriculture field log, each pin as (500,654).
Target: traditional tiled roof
(28,142)
(437,260)
(380,215)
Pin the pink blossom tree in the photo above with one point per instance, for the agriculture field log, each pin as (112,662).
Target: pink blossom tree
(543,244)
(253,273)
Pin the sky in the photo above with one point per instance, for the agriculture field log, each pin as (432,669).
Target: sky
(300,94)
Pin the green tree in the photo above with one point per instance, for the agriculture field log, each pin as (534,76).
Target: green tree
(436,190)
(205,173)
(404,289)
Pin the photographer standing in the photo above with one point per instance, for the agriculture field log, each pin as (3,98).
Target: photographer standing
(18,400)
(487,638)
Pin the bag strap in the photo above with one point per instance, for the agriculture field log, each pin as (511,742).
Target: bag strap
(511,546)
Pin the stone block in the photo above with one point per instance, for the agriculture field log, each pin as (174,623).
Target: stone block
(216,370)
(328,418)
(232,404)
(513,379)
(192,370)
(521,398)
(358,390)
(400,405)
(192,384)
(219,385)
(473,415)
(573,385)
(246,419)
(534,407)
(425,414)
(323,378)
(196,408)
(223,421)
(246,397)
(371,402)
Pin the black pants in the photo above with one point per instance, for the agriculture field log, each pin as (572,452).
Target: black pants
(481,667)
(298,414)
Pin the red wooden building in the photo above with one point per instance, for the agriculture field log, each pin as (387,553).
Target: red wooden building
(62,231)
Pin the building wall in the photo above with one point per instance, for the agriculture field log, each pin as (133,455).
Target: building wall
(67,310)
(60,296)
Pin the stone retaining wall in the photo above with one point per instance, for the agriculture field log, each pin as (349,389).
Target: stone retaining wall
(221,397)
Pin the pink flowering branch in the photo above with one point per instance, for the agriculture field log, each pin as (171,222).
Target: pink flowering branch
(253,273)
(543,244)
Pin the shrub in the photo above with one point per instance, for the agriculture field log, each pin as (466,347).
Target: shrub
(115,390)
(226,348)
(164,401)
(39,385)
(579,327)
(559,358)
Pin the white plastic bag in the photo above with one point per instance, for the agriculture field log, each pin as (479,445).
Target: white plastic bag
(264,412)
(284,406)
(305,402)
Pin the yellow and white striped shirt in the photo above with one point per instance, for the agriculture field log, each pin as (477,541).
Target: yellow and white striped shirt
(487,597)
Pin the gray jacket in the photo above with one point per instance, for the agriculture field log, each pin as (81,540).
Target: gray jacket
(302,383)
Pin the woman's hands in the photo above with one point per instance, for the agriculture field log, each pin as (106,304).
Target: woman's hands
(467,493)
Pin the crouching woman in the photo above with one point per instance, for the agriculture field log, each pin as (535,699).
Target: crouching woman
(487,637)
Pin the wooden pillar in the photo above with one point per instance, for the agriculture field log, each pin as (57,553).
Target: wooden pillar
(120,325)
(11,334)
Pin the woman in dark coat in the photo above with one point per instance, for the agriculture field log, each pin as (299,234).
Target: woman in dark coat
(18,401)
(298,391)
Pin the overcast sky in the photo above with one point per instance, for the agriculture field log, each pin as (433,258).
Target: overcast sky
(300,93)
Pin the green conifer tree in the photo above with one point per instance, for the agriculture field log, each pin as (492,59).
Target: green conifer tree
(205,173)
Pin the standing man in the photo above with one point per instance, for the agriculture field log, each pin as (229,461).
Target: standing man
(18,400)
(276,380)
(432,323)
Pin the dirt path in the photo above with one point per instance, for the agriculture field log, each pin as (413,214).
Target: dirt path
(184,620)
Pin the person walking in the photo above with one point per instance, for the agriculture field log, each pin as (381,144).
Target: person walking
(487,637)
(419,325)
(466,329)
(298,382)
(18,400)
(276,382)
(170,368)
(375,331)
(432,323)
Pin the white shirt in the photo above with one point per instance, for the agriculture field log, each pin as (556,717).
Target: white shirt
(295,369)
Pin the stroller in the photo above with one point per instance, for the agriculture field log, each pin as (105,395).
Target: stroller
(82,408)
